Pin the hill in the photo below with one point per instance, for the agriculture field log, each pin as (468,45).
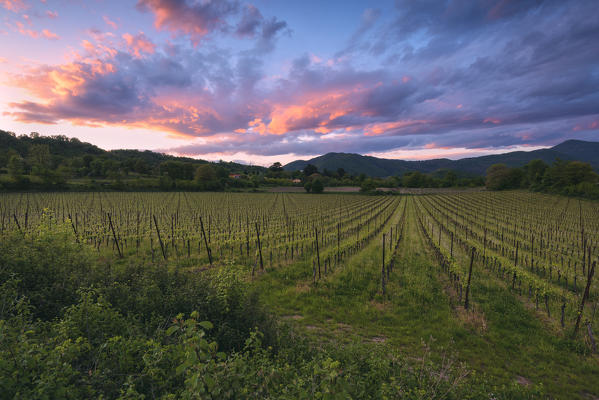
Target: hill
(63,148)
(356,164)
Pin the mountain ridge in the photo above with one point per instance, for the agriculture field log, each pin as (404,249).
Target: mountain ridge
(356,164)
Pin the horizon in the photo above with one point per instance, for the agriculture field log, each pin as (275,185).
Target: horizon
(262,81)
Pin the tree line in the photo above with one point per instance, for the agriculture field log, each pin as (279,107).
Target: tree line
(570,178)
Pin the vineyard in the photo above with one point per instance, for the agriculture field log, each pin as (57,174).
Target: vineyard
(504,281)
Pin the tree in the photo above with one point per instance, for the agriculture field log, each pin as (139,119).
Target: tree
(16,166)
(500,177)
(577,172)
(340,172)
(276,167)
(317,186)
(205,173)
(450,179)
(177,170)
(534,171)
(368,185)
(414,180)
(310,169)
(140,166)
(497,176)
(40,158)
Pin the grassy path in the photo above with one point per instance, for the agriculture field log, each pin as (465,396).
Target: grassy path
(503,338)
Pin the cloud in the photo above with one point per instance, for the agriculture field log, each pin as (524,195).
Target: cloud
(14,5)
(45,33)
(369,18)
(196,19)
(250,23)
(49,35)
(253,25)
(110,22)
(199,20)
(468,75)
(139,44)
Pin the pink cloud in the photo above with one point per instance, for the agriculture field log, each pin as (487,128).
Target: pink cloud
(35,34)
(110,23)
(14,5)
(52,14)
(380,128)
(139,44)
(492,120)
(197,19)
(49,35)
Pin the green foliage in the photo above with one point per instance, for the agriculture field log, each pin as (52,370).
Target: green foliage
(16,166)
(317,186)
(368,185)
(178,170)
(310,169)
(71,327)
(48,264)
(573,178)
(53,161)
(500,177)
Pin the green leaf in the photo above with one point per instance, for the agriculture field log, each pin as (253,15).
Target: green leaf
(206,325)
(172,330)
(180,369)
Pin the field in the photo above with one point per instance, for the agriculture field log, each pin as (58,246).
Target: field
(494,289)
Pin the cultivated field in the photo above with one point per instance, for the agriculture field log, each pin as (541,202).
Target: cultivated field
(500,281)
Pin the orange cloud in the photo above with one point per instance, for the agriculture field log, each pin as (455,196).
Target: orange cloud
(65,80)
(110,23)
(14,5)
(379,128)
(139,44)
(258,126)
(317,112)
(35,34)
(96,50)
(492,120)
(197,19)
(50,35)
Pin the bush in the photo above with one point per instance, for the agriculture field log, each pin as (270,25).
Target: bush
(49,265)
(317,186)
(141,331)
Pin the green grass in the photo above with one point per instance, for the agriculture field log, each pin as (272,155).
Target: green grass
(502,339)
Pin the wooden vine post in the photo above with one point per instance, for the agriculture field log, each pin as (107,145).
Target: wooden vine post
(338,240)
(74,229)
(383,267)
(159,238)
(259,247)
(584,298)
(116,241)
(206,242)
(467,299)
(317,251)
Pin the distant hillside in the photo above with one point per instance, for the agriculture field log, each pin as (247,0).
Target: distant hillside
(379,167)
(64,148)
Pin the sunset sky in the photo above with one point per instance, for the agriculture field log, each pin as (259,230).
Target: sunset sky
(278,80)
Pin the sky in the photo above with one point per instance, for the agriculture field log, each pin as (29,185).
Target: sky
(274,80)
